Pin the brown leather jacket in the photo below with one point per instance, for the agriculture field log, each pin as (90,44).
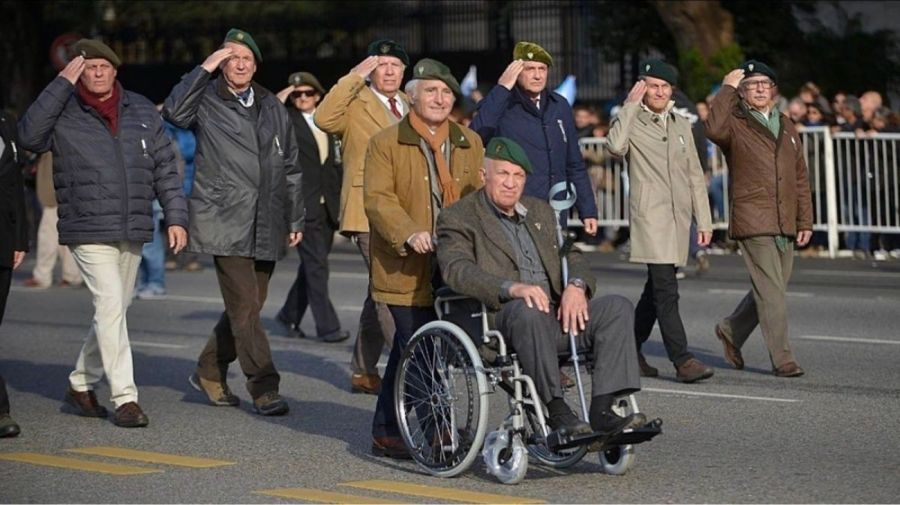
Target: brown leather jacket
(768,182)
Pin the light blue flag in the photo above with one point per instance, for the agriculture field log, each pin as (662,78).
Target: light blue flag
(469,82)
(567,89)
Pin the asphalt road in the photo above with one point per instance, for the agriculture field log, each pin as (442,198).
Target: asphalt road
(742,436)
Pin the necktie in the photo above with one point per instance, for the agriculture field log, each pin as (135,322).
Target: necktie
(394,110)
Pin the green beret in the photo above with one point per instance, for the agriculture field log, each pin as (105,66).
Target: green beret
(529,51)
(502,148)
(751,67)
(241,37)
(307,79)
(385,47)
(427,68)
(658,69)
(90,48)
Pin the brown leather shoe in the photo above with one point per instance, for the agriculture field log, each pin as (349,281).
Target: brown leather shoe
(646,369)
(130,415)
(693,370)
(31,282)
(366,383)
(390,447)
(789,369)
(732,353)
(85,403)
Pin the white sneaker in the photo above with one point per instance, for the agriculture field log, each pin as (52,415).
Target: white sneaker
(880,255)
(151,293)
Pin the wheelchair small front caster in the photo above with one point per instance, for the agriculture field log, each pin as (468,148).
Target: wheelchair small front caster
(505,456)
(616,460)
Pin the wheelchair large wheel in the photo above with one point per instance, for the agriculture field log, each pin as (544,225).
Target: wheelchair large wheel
(539,451)
(442,404)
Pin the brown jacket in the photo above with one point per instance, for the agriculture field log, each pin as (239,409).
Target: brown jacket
(398,204)
(353,112)
(476,257)
(768,182)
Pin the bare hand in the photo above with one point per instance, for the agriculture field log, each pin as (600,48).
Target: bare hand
(283,95)
(590,226)
(636,95)
(573,310)
(365,67)
(733,78)
(534,296)
(704,238)
(294,238)
(18,258)
(73,70)
(420,242)
(177,238)
(803,237)
(215,59)
(511,74)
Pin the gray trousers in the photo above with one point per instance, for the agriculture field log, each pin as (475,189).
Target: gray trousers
(537,339)
(770,270)
(376,325)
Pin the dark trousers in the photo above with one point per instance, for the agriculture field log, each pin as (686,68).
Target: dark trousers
(408,320)
(239,334)
(538,340)
(659,302)
(5,281)
(310,288)
(376,325)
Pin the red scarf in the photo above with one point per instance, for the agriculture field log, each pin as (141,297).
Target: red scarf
(108,109)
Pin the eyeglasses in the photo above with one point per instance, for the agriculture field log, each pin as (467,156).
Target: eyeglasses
(764,84)
(307,93)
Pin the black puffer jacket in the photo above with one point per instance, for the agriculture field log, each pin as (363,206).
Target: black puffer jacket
(105,184)
(246,196)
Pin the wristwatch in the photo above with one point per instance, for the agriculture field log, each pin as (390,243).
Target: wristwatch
(578,283)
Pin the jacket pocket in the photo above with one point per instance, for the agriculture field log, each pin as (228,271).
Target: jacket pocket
(752,194)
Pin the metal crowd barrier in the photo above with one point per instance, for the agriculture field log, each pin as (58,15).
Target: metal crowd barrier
(854,183)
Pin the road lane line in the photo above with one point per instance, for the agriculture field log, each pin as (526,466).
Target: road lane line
(139,343)
(441,493)
(319,496)
(75,464)
(719,395)
(851,340)
(716,291)
(152,457)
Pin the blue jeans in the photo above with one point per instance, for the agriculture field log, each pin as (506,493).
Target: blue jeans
(857,213)
(153,256)
(716,192)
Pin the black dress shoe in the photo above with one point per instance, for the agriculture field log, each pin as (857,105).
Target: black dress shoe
(335,336)
(610,423)
(8,427)
(568,424)
(288,328)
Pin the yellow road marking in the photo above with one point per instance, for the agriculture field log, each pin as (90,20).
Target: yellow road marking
(317,496)
(152,457)
(438,492)
(75,464)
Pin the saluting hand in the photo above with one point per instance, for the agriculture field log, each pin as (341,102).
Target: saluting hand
(511,74)
(733,78)
(285,93)
(213,61)
(365,67)
(72,71)
(637,92)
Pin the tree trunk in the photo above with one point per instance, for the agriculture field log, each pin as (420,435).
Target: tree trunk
(698,24)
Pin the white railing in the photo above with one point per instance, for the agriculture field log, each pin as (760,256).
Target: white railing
(854,183)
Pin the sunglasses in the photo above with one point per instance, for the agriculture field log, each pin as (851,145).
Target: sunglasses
(304,93)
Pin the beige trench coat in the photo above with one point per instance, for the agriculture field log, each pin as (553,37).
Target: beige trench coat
(668,188)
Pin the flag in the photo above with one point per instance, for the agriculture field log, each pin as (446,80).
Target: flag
(567,89)
(469,82)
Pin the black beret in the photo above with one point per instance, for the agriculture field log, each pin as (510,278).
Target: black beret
(385,47)
(90,48)
(660,70)
(751,67)
(307,79)
(241,37)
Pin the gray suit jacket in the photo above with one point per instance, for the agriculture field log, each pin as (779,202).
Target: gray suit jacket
(476,257)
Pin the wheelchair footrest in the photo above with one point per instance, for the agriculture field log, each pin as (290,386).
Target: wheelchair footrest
(600,441)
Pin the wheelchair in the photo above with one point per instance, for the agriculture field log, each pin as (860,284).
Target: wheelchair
(447,373)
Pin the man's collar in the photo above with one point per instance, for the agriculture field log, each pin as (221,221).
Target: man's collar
(520,210)
(665,111)
(382,96)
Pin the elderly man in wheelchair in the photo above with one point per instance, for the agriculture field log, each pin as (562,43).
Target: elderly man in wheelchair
(504,250)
